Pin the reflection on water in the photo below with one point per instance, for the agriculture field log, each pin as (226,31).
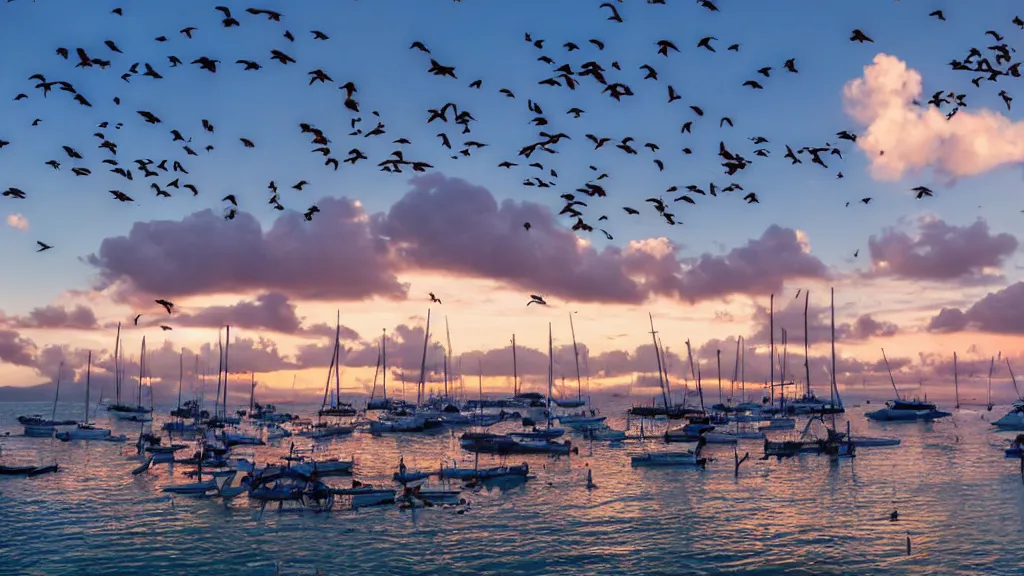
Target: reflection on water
(959,499)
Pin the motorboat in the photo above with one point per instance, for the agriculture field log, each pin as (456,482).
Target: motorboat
(604,433)
(484,473)
(38,427)
(907,410)
(88,431)
(690,456)
(485,442)
(1012,420)
(397,424)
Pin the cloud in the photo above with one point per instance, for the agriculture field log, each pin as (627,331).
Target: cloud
(16,350)
(54,318)
(331,258)
(940,251)
(448,224)
(17,221)
(997,312)
(901,137)
(270,311)
(442,225)
(789,315)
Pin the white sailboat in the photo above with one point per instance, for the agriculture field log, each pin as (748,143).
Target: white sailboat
(86,430)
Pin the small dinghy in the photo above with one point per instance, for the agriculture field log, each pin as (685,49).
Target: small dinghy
(27,470)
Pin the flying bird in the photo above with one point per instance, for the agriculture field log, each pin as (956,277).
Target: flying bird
(535,299)
(166,304)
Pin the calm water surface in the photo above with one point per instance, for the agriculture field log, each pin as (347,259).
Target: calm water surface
(959,499)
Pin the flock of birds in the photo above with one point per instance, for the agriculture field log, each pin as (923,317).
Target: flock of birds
(167,176)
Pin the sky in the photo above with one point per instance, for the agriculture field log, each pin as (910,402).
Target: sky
(919,278)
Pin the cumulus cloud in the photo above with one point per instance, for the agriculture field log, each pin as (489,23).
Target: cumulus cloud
(997,312)
(52,317)
(940,251)
(902,137)
(17,221)
(331,258)
(441,225)
(271,311)
(789,315)
(16,350)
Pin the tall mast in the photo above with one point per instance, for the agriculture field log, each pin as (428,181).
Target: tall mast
(515,369)
(227,371)
(88,383)
(117,371)
(771,345)
(220,374)
(718,357)
(181,377)
(807,362)
(735,371)
(330,374)
(576,355)
(142,368)
(56,394)
(657,356)
(664,369)
(252,393)
(423,362)
(551,371)
(384,364)
(337,361)
(891,379)
(836,399)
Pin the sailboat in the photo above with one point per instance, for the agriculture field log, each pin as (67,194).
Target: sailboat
(137,413)
(1014,419)
(336,406)
(578,400)
(38,427)
(85,430)
(809,403)
(902,410)
(178,424)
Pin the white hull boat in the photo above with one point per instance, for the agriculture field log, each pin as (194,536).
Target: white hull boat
(1013,420)
(85,432)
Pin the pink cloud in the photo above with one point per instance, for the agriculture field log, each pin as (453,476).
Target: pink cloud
(17,221)
(789,315)
(54,317)
(997,312)
(270,311)
(940,251)
(16,350)
(441,225)
(331,258)
(901,137)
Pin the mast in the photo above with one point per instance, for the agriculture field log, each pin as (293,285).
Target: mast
(181,377)
(376,372)
(1012,378)
(384,365)
(891,379)
(551,372)
(735,371)
(771,345)
(657,355)
(991,368)
(664,364)
(227,371)
(515,369)
(88,382)
(142,368)
(220,374)
(807,345)
(337,361)
(252,393)
(956,381)
(117,371)
(444,362)
(718,356)
(330,373)
(56,394)
(423,362)
(836,400)
(576,355)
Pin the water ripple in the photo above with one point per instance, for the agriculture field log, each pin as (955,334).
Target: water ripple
(960,501)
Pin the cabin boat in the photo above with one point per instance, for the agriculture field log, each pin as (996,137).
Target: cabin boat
(484,473)
(88,431)
(1012,420)
(907,410)
(689,456)
(38,427)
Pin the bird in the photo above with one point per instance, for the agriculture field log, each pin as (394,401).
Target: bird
(43,246)
(858,36)
(169,306)
(938,14)
(434,298)
(137,316)
(535,299)
(165,327)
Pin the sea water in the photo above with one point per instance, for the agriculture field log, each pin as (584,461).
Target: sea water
(960,501)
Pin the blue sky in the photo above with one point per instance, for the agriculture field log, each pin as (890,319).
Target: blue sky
(484,40)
